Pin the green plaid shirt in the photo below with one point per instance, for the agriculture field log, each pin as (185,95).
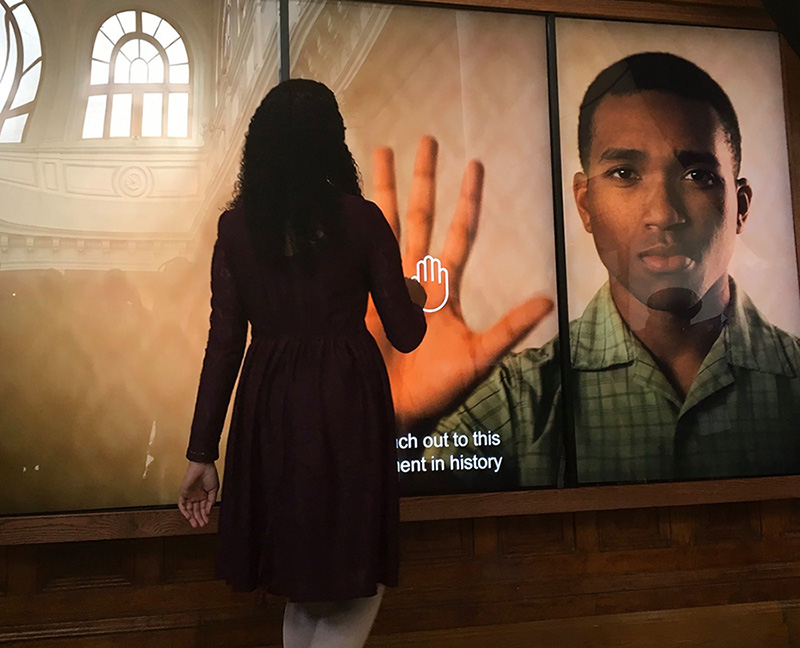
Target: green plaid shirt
(741,416)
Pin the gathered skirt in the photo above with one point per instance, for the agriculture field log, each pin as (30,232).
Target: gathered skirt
(309,504)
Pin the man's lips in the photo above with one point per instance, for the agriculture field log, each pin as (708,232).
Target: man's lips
(666,259)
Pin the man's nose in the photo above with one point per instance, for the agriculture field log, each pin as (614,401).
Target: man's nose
(665,208)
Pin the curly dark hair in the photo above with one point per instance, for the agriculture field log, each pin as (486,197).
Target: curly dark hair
(295,168)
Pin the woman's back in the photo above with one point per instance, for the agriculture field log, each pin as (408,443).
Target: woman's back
(325,295)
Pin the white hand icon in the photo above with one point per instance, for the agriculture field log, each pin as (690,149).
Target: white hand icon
(430,269)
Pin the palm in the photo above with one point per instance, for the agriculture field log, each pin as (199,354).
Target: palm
(452,358)
(198,492)
(427,381)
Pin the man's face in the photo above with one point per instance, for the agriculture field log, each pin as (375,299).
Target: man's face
(661,197)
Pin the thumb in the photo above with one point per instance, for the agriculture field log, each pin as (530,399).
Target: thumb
(510,329)
(211,498)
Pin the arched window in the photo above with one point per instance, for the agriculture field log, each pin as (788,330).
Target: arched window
(20,68)
(140,83)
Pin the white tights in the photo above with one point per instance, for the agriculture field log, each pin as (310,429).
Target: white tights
(334,624)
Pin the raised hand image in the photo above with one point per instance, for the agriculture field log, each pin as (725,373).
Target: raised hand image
(452,358)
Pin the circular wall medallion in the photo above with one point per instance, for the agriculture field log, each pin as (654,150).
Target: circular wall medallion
(133,181)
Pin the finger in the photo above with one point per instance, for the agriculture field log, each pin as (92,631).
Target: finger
(190,516)
(186,512)
(464,225)
(384,185)
(421,203)
(196,513)
(190,509)
(201,515)
(182,507)
(187,508)
(511,328)
(210,501)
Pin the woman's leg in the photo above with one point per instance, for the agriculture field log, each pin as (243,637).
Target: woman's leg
(298,626)
(348,624)
(335,624)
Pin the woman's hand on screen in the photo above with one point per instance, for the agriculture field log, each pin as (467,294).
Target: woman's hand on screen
(198,492)
(416,292)
(452,358)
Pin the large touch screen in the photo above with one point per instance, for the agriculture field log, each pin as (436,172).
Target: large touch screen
(110,197)
(682,267)
(120,143)
(450,129)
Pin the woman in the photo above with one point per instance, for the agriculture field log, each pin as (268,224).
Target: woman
(310,505)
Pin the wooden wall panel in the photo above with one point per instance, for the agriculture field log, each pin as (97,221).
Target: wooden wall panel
(436,540)
(3,571)
(539,535)
(469,579)
(258,625)
(787,513)
(85,565)
(741,626)
(189,559)
(633,529)
(22,570)
(734,522)
(148,561)
(129,638)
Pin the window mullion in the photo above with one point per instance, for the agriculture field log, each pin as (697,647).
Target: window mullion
(109,106)
(164,100)
(137,113)
(18,72)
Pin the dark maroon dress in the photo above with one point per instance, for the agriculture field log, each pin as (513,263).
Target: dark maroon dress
(310,494)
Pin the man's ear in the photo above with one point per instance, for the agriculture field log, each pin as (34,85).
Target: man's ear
(744,196)
(580,185)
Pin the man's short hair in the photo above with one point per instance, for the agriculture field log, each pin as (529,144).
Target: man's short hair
(665,73)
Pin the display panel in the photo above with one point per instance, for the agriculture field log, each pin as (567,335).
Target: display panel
(475,83)
(108,220)
(105,242)
(682,271)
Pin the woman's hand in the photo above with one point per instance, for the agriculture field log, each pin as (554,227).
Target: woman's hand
(416,292)
(198,492)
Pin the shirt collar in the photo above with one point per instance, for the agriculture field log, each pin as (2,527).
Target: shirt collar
(752,342)
(600,339)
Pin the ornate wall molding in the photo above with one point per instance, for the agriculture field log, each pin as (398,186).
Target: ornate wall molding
(123,175)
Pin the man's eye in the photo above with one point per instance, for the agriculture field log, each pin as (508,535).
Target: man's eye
(702,177)
(623,173)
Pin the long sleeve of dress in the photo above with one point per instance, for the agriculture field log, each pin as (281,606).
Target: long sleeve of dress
(403,321)
(223,357)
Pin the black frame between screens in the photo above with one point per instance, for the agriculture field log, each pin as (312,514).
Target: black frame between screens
(556,175)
